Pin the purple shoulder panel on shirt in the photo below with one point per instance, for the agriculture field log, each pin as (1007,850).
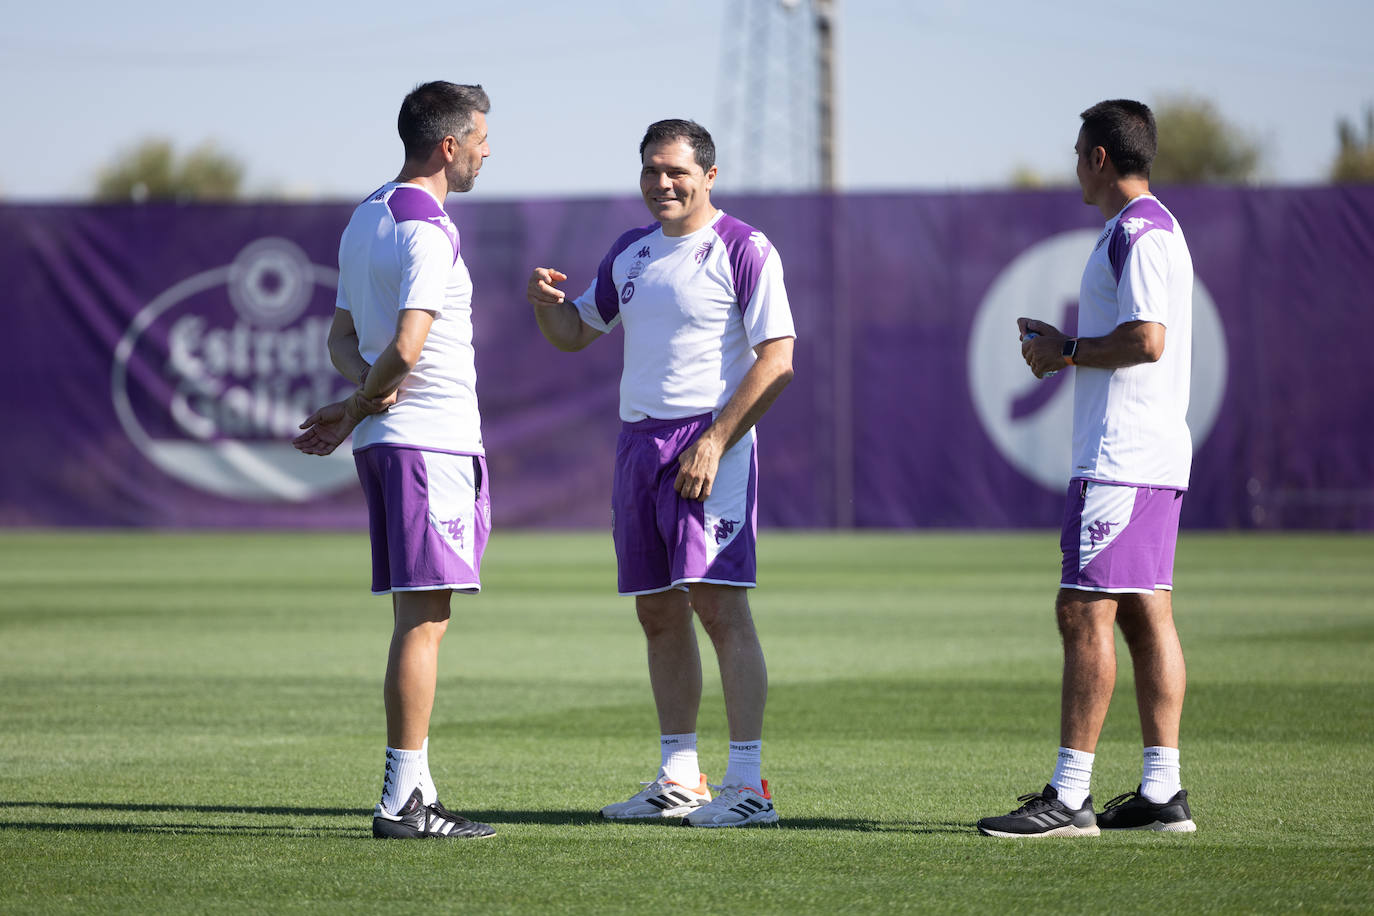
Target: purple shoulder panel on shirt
(748,249)
(1139,218)
(408,204)
(607,296)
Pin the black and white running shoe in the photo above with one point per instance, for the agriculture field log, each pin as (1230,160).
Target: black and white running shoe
(416,820)
(1042,814)
(1134,811)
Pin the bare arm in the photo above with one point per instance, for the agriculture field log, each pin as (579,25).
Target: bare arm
(558,318)
(329,426)
(1130,343)
(343,347)
(757,391)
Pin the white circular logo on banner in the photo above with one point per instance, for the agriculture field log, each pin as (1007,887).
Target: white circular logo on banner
(212,395)
(271,282)
(1030,420)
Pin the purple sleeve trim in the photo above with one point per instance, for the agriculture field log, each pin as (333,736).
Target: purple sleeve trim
(607,296)
(414,204)
(1139,218)
(748,249)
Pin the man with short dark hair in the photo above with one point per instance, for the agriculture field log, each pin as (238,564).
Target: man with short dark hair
(708,348)
(1131,458)
(402,332)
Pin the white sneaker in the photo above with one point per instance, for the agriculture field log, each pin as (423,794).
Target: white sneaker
(660,798)
(735,806)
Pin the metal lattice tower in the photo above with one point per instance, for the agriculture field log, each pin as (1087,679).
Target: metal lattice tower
(776,96)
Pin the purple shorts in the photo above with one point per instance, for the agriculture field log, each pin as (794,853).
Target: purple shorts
(663,541)
(429,514)
(1119,538)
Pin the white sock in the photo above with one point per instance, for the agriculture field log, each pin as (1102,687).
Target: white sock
(744,767)
(403,773)
(429,794)
(679,758)
(1073,773)
(1159,779)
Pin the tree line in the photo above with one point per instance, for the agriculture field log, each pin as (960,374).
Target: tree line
(1197,146)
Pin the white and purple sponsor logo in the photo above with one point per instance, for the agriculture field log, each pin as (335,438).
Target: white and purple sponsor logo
(212,377)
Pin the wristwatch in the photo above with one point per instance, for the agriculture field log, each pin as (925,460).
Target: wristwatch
(1070,349)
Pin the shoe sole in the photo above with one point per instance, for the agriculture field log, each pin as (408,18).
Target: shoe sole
(1068,830)
(384,834)
(658,814)
(1161,827)
(763,820)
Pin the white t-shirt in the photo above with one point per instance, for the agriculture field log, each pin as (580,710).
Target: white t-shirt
(1129,424)
(693,308)
(401,251)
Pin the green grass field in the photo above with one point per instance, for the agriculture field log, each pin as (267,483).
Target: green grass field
(193,722)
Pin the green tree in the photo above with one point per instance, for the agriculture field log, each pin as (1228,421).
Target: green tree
(151,170)
(1198,146)
(1355,158)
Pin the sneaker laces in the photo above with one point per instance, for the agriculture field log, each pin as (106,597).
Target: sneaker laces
(1121,800)
(1033,801)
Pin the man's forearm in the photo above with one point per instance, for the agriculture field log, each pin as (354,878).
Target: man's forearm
(757,391)
(1129,344)
(562,326)
(343,353)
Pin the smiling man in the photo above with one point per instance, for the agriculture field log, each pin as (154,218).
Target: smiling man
(708,348)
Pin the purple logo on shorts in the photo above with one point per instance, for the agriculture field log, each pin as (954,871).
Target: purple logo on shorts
(454,527)
(628,292)
(724,528)
(703,251)
(1098,531)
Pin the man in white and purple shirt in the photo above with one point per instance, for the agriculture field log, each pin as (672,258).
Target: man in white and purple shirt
(708,348)
(1131,458)
(402,332)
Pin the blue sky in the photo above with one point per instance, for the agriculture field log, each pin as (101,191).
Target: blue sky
(935,95)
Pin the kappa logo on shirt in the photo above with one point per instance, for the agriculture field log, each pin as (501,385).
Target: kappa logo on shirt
(644,252)
(1135,224)
(760,241)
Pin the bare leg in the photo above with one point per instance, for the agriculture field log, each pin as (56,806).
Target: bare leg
(674,661)
(1087,625)
(412,665)
(724,612)
(1147,622)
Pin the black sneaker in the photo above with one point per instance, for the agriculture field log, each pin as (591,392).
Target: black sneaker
(1134,811)
(416,820)
(1043,814)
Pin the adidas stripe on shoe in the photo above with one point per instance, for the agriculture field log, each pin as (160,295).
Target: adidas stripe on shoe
(735,806)
(1042,815)
(416,820)
(658,799)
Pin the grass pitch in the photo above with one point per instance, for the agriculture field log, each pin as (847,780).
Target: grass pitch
(193,722)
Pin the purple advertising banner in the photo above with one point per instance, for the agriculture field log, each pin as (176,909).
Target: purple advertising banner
(160,357)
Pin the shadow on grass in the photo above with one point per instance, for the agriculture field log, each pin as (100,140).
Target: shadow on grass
(197,809)
(498,817)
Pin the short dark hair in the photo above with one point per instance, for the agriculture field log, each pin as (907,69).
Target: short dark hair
(697,137)
(433,111)
(1126,130)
